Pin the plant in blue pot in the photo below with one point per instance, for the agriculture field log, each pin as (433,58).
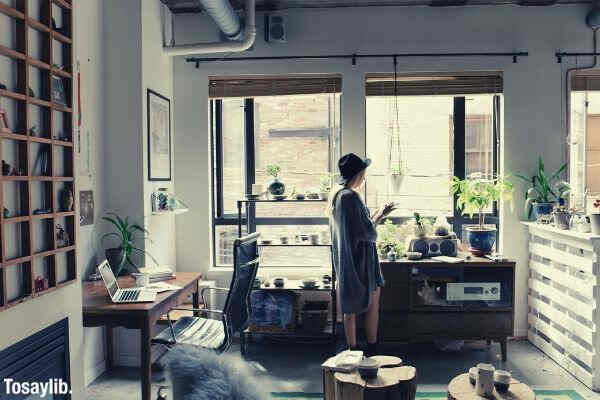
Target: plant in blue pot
(276,187)
(544,190)
(474,195)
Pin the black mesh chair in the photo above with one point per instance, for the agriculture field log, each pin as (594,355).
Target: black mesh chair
(216,334)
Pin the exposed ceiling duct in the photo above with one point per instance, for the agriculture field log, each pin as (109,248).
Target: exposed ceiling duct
(229,22)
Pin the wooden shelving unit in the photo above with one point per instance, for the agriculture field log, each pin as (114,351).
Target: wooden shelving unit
(41,53)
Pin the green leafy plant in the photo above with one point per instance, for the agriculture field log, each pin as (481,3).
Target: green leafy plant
(476,193)
(387,238)
(273,170)
(544,188)
(419,221)
(326,183)
(126,233)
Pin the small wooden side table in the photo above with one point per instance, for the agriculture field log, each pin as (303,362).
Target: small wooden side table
(461,389)
(393,382)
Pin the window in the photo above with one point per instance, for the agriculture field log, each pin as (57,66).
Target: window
(294,123)
(436,128)
(584,152)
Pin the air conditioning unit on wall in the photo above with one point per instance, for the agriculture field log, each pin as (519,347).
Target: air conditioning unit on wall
(275,28)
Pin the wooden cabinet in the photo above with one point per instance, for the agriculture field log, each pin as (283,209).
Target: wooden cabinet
(429,300)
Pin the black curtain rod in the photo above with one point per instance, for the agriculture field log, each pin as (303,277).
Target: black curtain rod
(353,57)
(561,55)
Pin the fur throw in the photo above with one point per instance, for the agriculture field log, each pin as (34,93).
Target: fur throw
(201,374)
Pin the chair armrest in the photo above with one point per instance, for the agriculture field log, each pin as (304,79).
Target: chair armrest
(210,288)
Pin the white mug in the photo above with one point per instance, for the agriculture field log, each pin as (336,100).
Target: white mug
(484,383)
(142,280)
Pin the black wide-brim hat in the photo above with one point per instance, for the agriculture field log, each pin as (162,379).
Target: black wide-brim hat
(350,165)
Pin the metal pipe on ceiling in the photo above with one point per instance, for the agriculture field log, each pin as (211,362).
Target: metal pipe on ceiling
(224,15)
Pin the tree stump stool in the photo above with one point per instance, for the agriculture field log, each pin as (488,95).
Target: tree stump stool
(461,389)
(328,373)
(395,383)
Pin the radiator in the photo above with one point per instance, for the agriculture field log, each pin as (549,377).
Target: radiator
(563,299)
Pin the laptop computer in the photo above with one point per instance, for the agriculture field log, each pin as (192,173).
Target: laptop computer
(118,295)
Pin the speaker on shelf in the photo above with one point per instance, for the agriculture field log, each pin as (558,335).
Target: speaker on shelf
(275,28)
(434,246)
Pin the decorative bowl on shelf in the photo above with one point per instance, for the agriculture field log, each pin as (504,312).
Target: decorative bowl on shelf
(279,282)
(279,197)
(266,241)
(300,196)
(309,282)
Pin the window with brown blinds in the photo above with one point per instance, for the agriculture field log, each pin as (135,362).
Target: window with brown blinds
(581,83)
(434,84)
(253,86)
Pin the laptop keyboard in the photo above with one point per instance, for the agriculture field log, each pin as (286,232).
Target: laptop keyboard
(129,295)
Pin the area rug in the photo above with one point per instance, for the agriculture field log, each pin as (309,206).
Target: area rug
(540,395)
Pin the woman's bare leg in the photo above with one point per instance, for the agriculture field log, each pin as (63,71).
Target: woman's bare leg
(372,317)
(350,329)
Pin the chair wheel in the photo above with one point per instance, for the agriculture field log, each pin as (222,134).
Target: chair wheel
(162,393)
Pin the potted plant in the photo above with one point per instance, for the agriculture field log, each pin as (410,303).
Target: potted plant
(387,240)
(125,232)
(396,178)
(325,187)
(595,218)
(276,187)
(419,227)
(562,217)
(541,195)
(474,195)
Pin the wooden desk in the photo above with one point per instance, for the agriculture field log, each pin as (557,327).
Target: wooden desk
(99,310)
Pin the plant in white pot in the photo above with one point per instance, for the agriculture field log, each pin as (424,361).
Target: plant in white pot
(473,196)
(542,193)
(325,186)
(419,227)
(396,178)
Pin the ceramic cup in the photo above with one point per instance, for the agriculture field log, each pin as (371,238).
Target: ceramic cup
(484,384)
(142,280)
(473,371)
(502,380)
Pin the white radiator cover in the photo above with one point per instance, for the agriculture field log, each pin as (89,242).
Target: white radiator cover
(563,299)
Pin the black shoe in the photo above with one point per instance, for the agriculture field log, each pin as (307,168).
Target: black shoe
(371,349)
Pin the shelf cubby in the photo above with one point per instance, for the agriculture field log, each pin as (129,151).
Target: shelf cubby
(23,289)
(16,200)
(42,235)
(65,266)
(16,242)
(36,53)
(44,267)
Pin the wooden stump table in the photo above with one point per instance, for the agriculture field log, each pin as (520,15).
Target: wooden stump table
(393,382)
(461,389)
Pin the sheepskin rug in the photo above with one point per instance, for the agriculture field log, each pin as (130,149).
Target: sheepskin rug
(199,374)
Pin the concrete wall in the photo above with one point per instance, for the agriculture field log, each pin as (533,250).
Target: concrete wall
(135,63)
(32,316)
(532,91)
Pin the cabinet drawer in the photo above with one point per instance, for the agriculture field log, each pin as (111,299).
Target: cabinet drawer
(394,297)
(396,272)
(467,324)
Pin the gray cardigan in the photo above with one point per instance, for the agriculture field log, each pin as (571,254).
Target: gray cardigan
(355,259)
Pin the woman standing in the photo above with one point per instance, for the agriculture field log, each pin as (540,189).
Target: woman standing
(353,234)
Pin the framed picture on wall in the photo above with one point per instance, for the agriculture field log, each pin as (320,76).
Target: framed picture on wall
(159,137)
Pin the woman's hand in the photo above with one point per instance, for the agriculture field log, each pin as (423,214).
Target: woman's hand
(384,211)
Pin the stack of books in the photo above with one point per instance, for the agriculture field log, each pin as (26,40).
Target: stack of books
(157,273)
